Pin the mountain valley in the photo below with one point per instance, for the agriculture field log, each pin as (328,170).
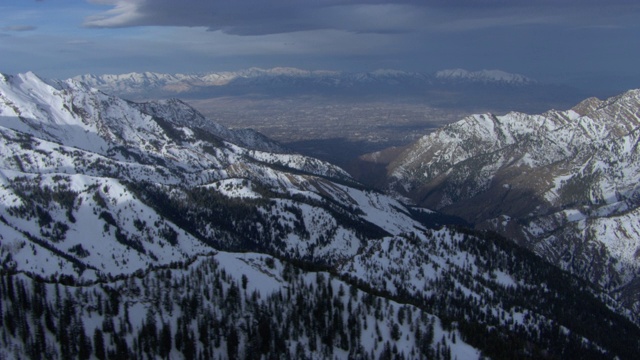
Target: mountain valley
(147,230)
(338,116)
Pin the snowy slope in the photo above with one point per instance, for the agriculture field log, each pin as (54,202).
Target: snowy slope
(564,183)
(157,311)
(149,209)
(84,174)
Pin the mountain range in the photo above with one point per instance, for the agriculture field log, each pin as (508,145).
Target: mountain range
(563,183)
(144,230)
(445,88)
(133,83)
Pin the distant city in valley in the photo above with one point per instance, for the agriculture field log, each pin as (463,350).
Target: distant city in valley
(339,116)
(338,131)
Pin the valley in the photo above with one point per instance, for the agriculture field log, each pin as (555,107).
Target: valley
(338,116)
(336,131)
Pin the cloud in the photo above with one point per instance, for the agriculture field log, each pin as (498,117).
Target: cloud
(241,17)
(262,17)
(19,28)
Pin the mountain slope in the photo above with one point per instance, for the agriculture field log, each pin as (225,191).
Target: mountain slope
(221,306)
(113,148)
(564,183)
(107,205)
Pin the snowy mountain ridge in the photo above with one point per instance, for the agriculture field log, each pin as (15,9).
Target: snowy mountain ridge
(564,182)
(123,211)
(72,103)
(487,76)
(147,79)
(88,144)
(135,83)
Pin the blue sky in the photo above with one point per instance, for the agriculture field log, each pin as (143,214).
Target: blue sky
(592,43)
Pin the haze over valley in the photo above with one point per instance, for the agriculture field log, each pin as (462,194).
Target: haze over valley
(338,116)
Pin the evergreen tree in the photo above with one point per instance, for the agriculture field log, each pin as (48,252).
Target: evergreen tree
(98,344)
(165,341)
(232,343)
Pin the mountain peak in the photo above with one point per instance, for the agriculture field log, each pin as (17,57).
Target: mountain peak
(587,106)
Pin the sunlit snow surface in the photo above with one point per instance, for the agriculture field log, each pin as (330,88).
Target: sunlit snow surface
(64,136)
(575,172)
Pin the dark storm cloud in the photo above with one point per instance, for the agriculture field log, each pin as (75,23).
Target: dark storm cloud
(261,17)
(243,17)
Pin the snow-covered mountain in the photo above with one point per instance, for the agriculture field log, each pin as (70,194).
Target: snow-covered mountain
(457,88)
(116,216)
(133,83)
(293,79)
(564,183)
(483,76)
(92,147)
(73,105)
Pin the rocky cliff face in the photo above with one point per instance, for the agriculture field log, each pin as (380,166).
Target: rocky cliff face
(564,183)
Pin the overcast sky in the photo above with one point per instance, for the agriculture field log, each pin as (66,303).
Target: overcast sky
(594,42)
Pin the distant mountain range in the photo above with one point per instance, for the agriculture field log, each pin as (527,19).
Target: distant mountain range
(563,184)
(447,88)
(144,230)
(484,76)
(133,83)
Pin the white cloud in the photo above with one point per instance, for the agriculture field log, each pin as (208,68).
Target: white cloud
(123,14)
